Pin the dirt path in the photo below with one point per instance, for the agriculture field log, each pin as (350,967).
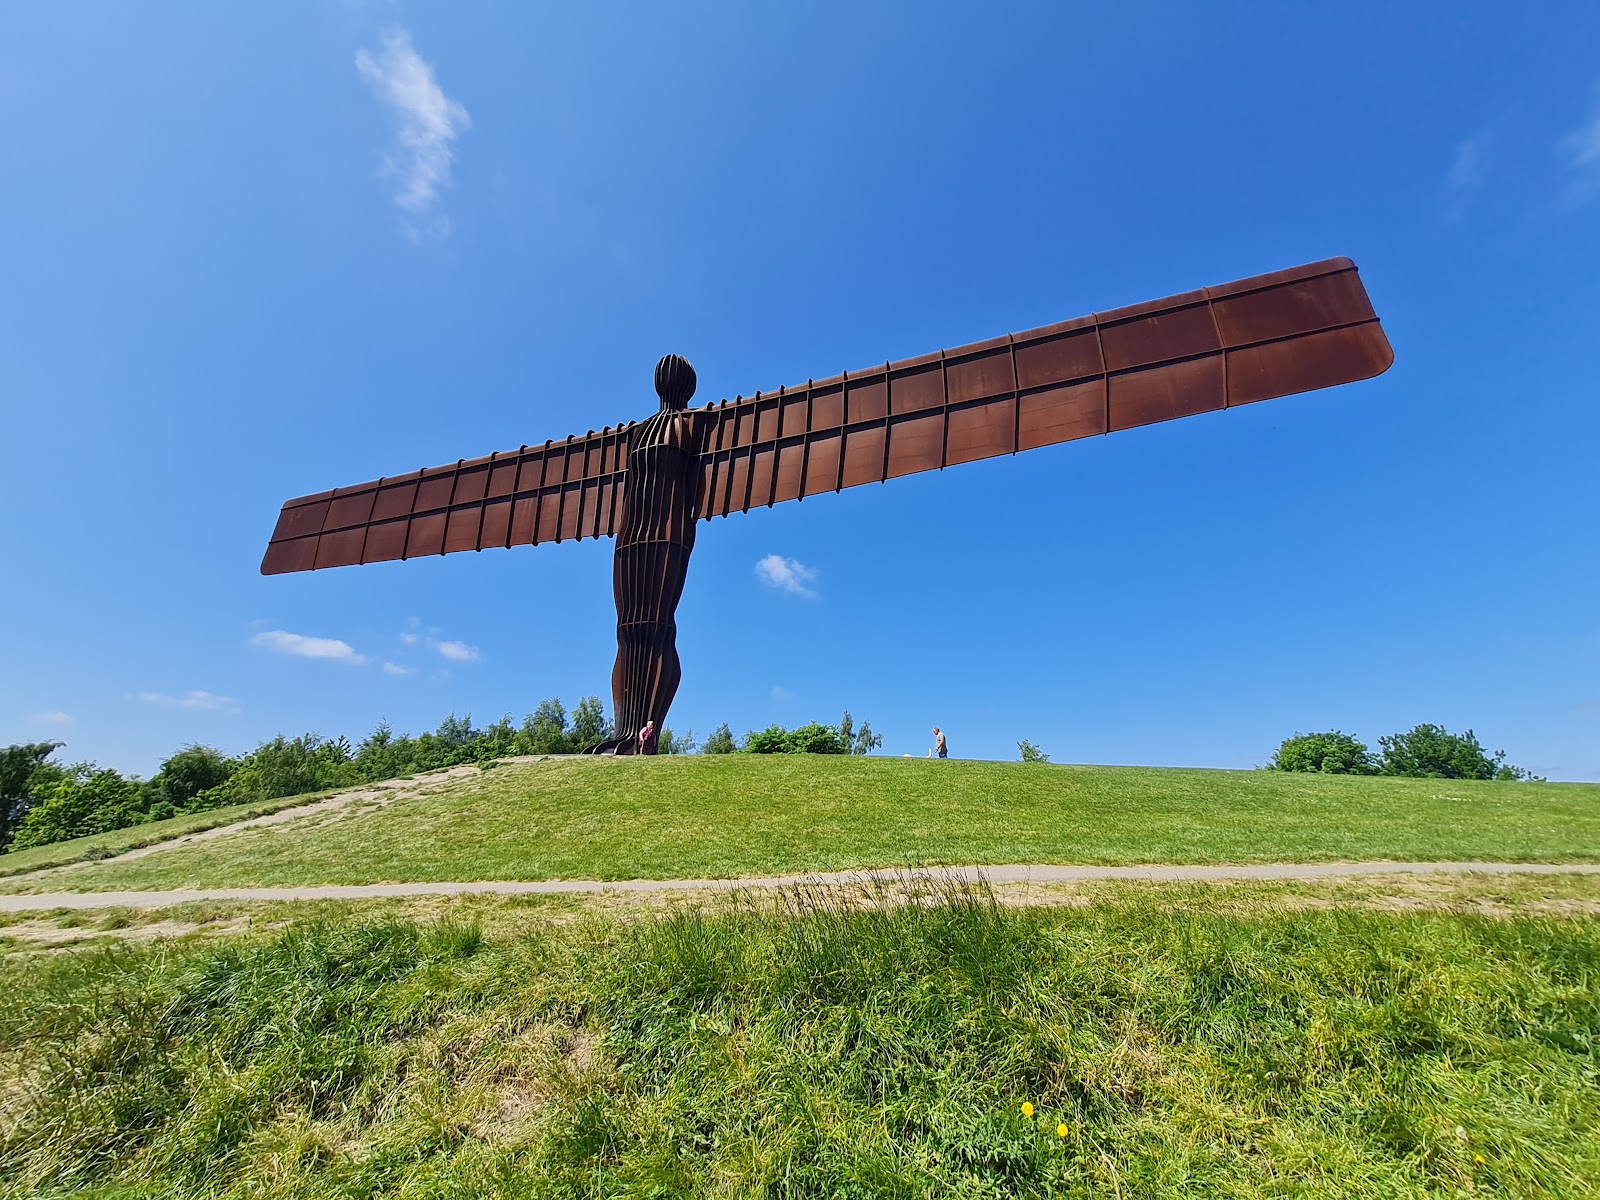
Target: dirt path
(1040,874)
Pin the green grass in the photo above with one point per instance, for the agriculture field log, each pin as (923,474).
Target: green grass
(726,816)
(118,841)
(816,1047)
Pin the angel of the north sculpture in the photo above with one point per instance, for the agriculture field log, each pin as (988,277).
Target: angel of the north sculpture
(647,482)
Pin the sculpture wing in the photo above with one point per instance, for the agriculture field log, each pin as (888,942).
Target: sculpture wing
(550,493)
(1272,335)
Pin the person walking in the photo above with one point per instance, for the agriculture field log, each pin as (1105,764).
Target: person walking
(939,746)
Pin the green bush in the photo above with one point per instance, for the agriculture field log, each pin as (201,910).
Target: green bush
(190,771)
(89,800)
(807,739)
(1331,753)
(1031,753)
(774,739)
(816,739)
(1428,752)
(23,774)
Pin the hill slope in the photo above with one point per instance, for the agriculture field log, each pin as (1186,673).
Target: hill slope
(727,816)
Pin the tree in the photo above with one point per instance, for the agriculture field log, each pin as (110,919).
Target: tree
(292,767)
(1428,752)
(858,741)
(381,755)
(88,800)
(674,743)
(589,724)
(1331,753)
(544,730)
(1031,753)
(497,741)
(456,731)
(720,742)
(190,771)
(18,767)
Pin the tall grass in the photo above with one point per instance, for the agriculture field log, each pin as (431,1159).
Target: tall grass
(821,1045)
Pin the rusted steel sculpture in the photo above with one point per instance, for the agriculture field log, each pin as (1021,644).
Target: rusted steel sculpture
(648,482)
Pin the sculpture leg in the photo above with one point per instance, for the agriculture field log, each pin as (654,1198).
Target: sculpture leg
(648,581)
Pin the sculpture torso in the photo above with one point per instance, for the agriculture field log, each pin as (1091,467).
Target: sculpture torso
(659,504)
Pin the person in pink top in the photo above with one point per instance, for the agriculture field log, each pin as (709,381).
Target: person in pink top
(647,738)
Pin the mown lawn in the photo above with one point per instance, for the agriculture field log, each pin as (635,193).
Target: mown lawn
(727,816)
(117,841)
(811,1046)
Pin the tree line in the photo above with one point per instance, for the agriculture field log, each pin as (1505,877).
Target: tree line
(44,801)
(1423,752)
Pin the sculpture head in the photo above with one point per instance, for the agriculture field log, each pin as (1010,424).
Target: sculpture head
(675,382)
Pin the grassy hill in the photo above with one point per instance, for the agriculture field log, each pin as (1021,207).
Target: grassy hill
(727,816)
(1244,1041)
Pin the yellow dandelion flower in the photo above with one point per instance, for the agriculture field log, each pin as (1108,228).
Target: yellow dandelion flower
(1027,1108)
(1479,1158)
(1061,1130)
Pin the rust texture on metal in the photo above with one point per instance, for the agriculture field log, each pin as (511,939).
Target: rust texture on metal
(647,482)
(654,540)
(1273,335)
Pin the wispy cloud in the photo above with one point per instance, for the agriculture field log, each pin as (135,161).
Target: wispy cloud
(787,574)
(201,701)
(429,124)
(458,651)
(1469,170)
(390,668)
(782,694)
(300,646)
(1581,148)
(1471,163)
(1588,708)
(54,718)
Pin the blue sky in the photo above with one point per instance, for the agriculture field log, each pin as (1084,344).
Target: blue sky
(252,252)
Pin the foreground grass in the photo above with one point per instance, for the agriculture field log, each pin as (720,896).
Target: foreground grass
(726,816)
(816,1048)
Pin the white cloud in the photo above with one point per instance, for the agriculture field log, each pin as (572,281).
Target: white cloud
(390,668)
(54,718)
(782,694)
(1472,160)
(429,122)
(202,701)
(307,647)
(1583,143)
(408,639)
(787,574)
(458,651)
(1582,148)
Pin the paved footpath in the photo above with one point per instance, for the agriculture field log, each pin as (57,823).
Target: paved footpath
(997,874)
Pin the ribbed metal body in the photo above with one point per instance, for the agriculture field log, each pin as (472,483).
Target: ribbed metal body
(649,569)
